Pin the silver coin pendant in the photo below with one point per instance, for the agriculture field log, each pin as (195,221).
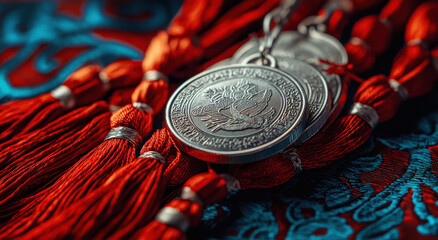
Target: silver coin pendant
(237,113)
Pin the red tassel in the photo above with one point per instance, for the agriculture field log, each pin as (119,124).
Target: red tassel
(128,200)
(120,206)
(174,219)
(360,56)
(122,73)
(235,24)
(29,166)
(377,93)
(154,93)
(398,12)
(23,116)
(409,57)
(123,204)
(120,98)
(180,165)
(167,53)
(420,80)
(89,172)
(369,34)
(194,16)
(87,85)
(61,133)
(423,24)
(163,50)
(208,187)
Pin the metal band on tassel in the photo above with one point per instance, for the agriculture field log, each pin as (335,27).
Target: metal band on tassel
(154,155)
(64,95)
(367,113)
(418,42)
(358,41)
(292,155)
(143,107)
(398,88)
(124,133)
(154,75)
(174,218)
(188,194)
(105,81)
(114,108)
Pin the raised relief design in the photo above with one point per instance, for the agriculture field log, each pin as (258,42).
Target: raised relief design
(236,107)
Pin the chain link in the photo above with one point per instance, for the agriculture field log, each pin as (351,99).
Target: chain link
(319,23)
(279,17)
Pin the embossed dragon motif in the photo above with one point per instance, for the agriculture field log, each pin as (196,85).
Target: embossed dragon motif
(236,107)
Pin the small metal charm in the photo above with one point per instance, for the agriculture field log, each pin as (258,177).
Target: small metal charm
(237,113)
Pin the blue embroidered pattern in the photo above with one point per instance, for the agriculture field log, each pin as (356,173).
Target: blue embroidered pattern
(30,24)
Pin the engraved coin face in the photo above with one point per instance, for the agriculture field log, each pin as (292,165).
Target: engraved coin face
(309,48)
(237,113)
(315,88)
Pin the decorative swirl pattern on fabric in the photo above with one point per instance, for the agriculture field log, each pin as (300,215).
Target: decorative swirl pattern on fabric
(42,42)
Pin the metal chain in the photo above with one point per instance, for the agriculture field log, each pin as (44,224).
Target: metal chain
(279,17)
(319,22)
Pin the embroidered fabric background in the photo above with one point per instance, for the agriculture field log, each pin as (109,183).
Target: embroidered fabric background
(388,189)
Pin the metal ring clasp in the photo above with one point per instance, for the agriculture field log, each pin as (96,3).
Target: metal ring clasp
(260,59)
(318,23)
(279,17)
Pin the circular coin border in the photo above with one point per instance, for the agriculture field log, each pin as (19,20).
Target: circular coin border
(265,150)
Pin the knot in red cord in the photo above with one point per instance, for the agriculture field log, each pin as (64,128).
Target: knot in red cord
(341,69)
